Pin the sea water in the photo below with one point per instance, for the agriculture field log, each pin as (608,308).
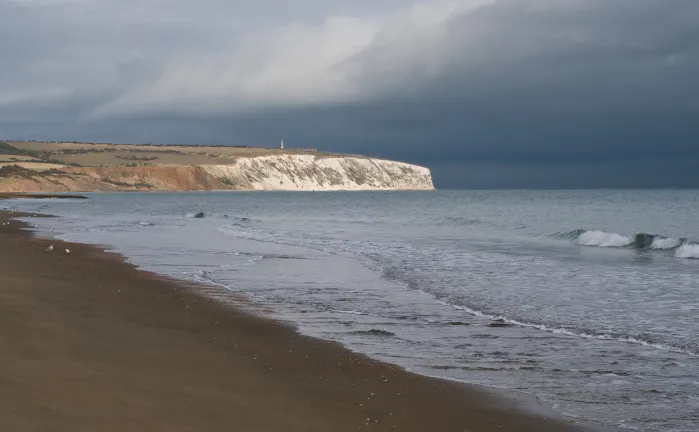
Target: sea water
(588,300)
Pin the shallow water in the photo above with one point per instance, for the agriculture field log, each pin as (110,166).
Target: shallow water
(597,292)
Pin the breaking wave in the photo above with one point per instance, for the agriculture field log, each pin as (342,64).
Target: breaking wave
(603,239)
(666,243)
(688,251)
(593,238)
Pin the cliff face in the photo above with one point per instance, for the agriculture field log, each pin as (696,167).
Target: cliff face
(275,172)
(307,172)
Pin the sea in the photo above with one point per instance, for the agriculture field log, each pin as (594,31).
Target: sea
(586,301)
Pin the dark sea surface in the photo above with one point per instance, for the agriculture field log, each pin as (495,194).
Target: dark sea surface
(588,300)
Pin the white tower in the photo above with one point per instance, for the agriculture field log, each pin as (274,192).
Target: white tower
(282,145)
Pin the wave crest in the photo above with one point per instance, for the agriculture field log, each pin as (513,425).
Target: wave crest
(603,239)
(595,238)
(688,251)
(666,243)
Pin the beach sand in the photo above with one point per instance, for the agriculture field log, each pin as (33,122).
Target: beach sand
(89,343)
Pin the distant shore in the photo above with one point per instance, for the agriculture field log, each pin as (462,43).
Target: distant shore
(10,195)
(91,343)
(48,167)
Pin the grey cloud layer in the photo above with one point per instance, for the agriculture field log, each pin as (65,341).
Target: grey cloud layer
(500,93)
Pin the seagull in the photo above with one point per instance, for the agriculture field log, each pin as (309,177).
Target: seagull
(49,249)
(67,251)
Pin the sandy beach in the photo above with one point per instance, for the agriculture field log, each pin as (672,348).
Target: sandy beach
(90,343)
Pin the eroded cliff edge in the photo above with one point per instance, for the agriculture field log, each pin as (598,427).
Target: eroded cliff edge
(291,172)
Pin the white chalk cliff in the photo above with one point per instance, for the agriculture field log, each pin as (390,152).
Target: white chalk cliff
(308,172)
(288,172)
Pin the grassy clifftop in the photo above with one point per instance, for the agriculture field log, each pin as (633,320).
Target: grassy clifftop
(112,155)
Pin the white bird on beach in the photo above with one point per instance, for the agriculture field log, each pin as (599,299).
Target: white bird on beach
(67,251)
(49,249)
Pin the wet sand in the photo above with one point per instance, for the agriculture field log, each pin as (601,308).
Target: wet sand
(89,343)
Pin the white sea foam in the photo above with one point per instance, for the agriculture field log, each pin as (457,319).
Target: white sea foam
(574,333)
(665,243)
(603,239)
(688,250)
(348,312)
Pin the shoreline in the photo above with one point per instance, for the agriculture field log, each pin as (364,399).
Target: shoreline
(172,348)
(25,195)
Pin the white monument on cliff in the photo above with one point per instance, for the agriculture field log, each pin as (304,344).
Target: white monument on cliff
(282,147)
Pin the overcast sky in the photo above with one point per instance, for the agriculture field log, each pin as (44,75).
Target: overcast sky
(487,93)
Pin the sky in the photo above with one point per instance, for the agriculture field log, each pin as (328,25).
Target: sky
(487,93)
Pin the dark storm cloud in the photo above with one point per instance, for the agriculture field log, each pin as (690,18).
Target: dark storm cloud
(490,93)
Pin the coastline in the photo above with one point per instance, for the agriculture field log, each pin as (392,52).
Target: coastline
(80,167)
(92,342)
(19,195)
